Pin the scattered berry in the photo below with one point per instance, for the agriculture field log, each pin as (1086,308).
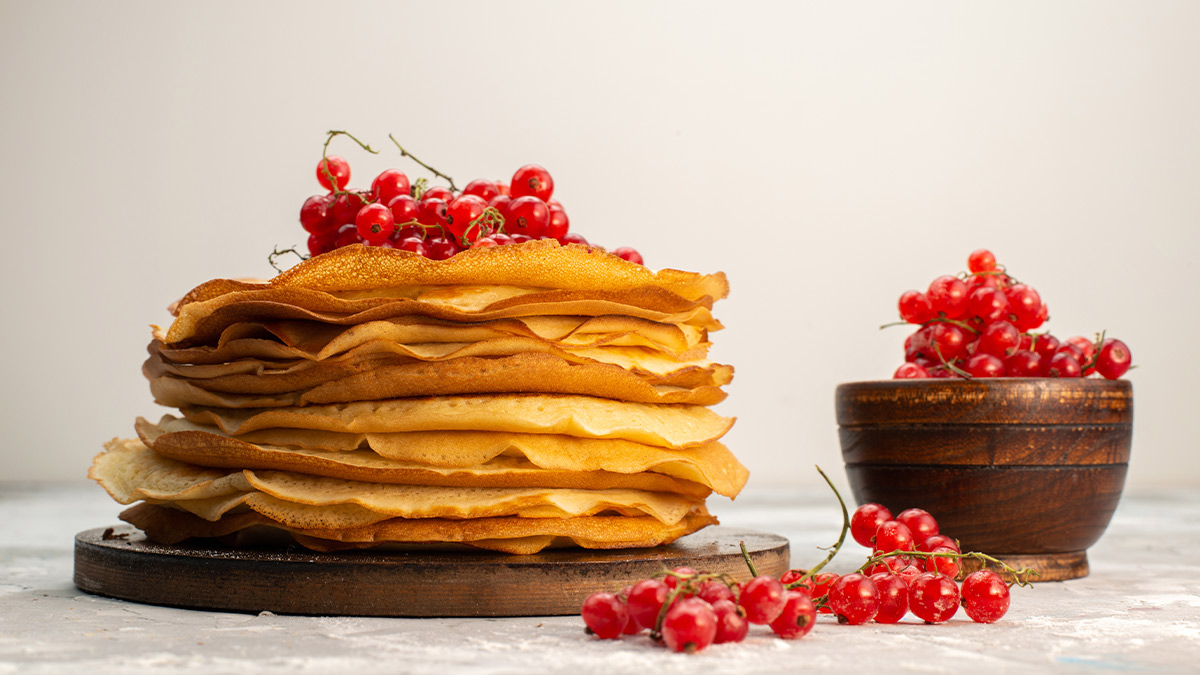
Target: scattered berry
(985,596)
(797,617)
(605,615)
(689,626)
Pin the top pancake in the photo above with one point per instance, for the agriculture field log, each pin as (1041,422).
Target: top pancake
(539,264)
(355,284)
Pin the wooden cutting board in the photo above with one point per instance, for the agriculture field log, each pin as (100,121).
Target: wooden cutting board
(120,562)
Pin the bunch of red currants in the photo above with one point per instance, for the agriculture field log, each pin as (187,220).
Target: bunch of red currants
(436,222)
(912,568)
(688,611)
(980,324)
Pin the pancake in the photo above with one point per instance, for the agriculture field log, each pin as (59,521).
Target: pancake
(518,536)
(668,426)
(130,471)
(459,458)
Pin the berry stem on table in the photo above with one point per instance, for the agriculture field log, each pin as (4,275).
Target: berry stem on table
(841,537)
(1020,576)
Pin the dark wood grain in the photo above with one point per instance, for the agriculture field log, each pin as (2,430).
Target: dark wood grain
(123,564)
(1030,469)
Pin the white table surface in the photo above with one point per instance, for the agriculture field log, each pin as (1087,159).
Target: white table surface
(1139,610)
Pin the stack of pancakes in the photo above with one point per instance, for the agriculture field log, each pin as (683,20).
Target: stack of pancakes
(510,398)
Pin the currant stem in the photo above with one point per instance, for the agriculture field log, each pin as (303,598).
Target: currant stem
(749,562)
(430,169)
(276,253)
(1020,577)
(953,368)
(488,222)
(953,322)
(894,323)
(841,538)
(349,135)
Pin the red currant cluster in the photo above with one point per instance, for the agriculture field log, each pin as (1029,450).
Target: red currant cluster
(912,568)
(687,610)
(979,324)
(436,222)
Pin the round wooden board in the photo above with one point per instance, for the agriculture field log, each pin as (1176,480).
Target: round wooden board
(120,562)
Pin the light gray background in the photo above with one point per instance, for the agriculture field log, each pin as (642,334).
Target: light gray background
(826,156)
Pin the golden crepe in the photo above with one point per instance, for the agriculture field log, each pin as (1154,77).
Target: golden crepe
(509,398)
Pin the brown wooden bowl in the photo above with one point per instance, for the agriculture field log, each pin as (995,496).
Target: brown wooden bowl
(1028,470)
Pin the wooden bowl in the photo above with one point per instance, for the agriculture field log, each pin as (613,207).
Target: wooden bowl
(1028,470)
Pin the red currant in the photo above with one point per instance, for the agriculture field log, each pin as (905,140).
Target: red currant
(375,223)
(432,212)
(933,598)
(346,235)
(939,540)
(605,615)
(500,203)
(1024,305)
(890,564)
(919,522)
(985,596)
(1114,359)
(909,371)
(671,580)
(731,622)
(984,365)
(461,212)
(893,535)
(438,192)
(989,304)
(689,626)
(999,338)
(346,207)
(1045,346)
(893,597)
(389,185)
(321,243)
(1024,363)
(559,222)
(1086,348)
(981,260)
(414,244)
(404,209)
(534,181)
(484,242)
(629,255)
(947,566)
(915,307)
(527,215)
(573,238)
(484,189)
(645,600)
(315,217)
(948,295)
(762,598)
(1063,364)
(714,590)
(441,248)
(797,617)
(866,521)
(334,168)
(854,599)
(820,588)
(948,340)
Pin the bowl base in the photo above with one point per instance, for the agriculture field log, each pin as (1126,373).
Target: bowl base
(1050,566)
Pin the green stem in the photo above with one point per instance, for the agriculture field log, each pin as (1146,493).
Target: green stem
(749,562)
(1020,577)
(430,169)
(276,253)
(841,538)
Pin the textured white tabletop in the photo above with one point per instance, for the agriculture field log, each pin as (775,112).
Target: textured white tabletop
(1139,610)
